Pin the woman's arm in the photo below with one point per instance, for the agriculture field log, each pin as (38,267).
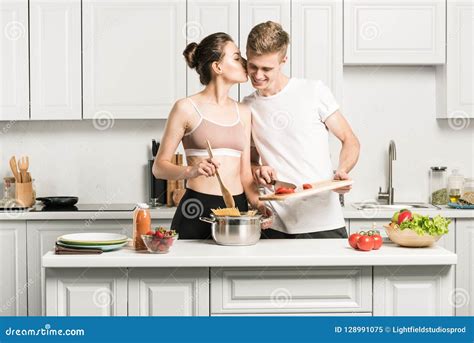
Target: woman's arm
(174,131)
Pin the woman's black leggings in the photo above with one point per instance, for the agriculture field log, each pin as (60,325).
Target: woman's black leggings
(194,205)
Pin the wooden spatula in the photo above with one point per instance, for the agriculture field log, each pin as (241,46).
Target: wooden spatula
(24,164)
(14,168)
(228,199)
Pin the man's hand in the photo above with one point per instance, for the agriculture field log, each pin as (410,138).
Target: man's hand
(264,175)
(267,214)
(341,175)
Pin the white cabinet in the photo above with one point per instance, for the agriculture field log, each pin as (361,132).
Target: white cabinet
(14,87)
(55,59)
(454,81)
(132,58)
(394,31)
(291,290)
(253,12)
(413,291)
(168,292)
(206,17)
(86,292)
(41,238)
(316,42)
(463,299)
(14,286)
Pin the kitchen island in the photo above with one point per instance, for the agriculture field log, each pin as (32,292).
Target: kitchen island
(274,277)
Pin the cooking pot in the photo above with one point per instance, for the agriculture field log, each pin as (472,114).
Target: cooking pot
(231,230)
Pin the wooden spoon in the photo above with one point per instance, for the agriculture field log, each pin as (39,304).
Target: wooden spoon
(24,164)
(228,199)
(14,169)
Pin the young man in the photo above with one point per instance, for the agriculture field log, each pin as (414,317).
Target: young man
(290,123)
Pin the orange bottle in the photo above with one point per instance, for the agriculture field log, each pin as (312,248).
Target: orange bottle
(141,225)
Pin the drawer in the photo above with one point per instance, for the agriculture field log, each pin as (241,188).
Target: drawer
(291,290)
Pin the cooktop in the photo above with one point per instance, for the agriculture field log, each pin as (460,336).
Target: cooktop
(87,208)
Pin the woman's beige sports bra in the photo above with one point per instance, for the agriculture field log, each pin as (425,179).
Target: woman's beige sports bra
(226,140)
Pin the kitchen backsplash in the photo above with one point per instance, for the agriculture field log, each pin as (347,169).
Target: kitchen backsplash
(108,164)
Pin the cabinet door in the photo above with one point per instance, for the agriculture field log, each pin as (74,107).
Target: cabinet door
(14,87)
(168,292)
(394,32)
(316,37)
(291,290)
(41,238)
(13,287)
(206,17)
(253,12)
(413,291)
(464,296)
(86,292)
(55,59)
(460,60)
(133,64)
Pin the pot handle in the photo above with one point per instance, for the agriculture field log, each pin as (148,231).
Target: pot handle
(207,220)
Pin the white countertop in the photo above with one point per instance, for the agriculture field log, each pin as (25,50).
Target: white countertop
(266,253)
(167,213)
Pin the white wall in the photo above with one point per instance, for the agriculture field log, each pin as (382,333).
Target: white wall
(382,103)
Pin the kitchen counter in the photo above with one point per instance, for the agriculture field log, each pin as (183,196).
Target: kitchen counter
(268,253)
(273,277)
(349,212)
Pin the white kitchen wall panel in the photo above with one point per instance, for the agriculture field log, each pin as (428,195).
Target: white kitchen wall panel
(464,300)
(413,291)
(55,59)
(394,32)
(253,12)
(14,84)
(132,58)
(86,292)
(206,17)
(316,36)
(455,80)
(14,286)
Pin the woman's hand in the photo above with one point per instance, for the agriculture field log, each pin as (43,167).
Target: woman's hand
(267,214)
(206,167)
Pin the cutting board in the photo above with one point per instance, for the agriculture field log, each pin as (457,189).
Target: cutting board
(318,187)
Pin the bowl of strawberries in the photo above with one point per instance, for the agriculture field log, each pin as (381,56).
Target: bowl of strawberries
(159,240)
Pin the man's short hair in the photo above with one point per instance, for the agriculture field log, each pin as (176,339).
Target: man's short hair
(268,37)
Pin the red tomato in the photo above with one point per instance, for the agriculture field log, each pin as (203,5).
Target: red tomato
(307,186)
(365,243)
(404,216)
(284,190)
(353,239)
(159,234)
(377,241)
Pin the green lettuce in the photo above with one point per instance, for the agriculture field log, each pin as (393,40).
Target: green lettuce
(424,225)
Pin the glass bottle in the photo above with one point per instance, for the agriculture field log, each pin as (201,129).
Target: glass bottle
(141,225)
(455,186)
(438,186)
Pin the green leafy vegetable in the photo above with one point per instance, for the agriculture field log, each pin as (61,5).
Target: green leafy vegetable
(423,225)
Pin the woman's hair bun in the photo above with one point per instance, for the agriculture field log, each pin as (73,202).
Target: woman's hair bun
(190,54)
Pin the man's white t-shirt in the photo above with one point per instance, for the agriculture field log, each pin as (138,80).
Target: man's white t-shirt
(289,133)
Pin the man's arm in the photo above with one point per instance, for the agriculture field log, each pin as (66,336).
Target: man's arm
(263,175)
(349,154)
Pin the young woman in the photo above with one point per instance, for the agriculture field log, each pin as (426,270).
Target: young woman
(210,115)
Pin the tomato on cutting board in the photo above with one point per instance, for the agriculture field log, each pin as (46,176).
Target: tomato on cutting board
(284,190)
(307,186)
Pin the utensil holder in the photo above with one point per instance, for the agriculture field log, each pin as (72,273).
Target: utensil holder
(24,194)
